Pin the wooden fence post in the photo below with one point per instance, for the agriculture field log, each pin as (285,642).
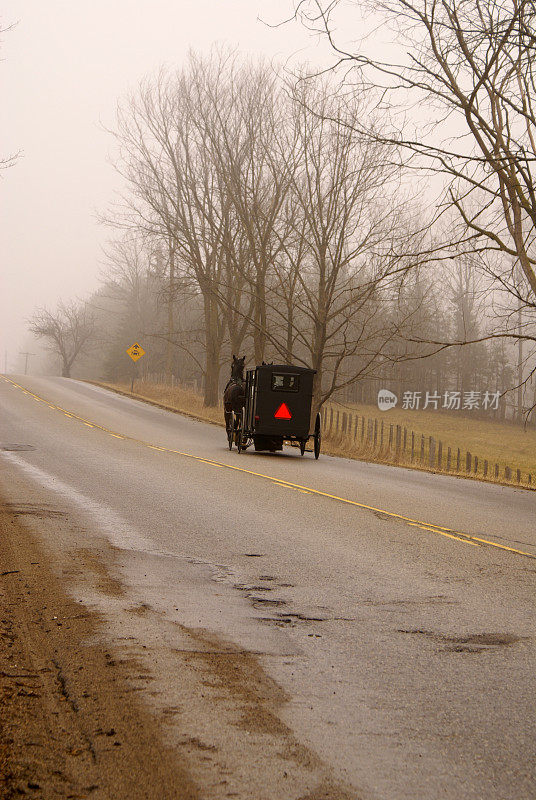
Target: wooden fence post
(458,457)
(485,468)
(518,476)
(507,473)
(468,460)
(381,436)
(449,456)
(390,438)
(375,433)
(422,448)
(440,455)
(431,451)
(344,421)
(476,465)
(496,472)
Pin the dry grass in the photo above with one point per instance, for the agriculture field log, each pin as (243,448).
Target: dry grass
(504,444)
(177,398)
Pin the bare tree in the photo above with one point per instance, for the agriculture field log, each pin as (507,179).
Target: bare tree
(175,195)
(241,110)
(355,242)
(68,331)
(206,174)
(472,64)
(279,210)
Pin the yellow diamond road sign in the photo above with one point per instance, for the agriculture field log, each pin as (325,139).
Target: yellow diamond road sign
(136,351)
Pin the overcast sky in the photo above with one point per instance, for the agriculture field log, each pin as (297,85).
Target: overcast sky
(64,66)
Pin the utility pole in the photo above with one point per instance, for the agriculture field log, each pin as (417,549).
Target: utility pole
(26,361)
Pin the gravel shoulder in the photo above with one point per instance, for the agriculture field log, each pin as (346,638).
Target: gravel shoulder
(70,724)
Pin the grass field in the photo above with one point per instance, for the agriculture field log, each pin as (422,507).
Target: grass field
(499,443)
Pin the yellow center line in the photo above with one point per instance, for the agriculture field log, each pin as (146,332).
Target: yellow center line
(443,531)
(502,546)
(288,486)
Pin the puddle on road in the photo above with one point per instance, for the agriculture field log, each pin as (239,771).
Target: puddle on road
(33,510)
(175,622)
(16,448)
(468,643)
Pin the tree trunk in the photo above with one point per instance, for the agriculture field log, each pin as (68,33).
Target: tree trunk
(318,363)
(290,332)
(212,374)
(212,359)
(259,333)
(170,320)
(317,390)
(319,337)
(520,367)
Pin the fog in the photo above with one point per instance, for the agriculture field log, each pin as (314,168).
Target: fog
(65,64)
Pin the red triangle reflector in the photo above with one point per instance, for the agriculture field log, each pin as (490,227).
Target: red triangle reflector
(283,412)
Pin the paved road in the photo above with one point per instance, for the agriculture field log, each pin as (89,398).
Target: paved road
(385,617)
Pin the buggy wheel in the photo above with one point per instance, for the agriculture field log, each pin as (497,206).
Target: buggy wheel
(230,430)
(317,436)
(303,443)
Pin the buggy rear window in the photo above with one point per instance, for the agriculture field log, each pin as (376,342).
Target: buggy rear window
(285,383)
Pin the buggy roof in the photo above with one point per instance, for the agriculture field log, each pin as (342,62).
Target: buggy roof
(283,368)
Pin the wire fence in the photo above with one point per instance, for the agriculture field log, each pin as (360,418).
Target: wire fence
(396,444)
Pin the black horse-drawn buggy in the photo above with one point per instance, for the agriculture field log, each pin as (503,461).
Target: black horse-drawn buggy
(271,407)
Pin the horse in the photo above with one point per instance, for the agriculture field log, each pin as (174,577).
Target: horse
(234,395)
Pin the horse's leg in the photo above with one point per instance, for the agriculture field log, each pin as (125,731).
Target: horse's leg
(238,422)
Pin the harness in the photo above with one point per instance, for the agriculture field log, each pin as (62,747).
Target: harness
(234,382)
